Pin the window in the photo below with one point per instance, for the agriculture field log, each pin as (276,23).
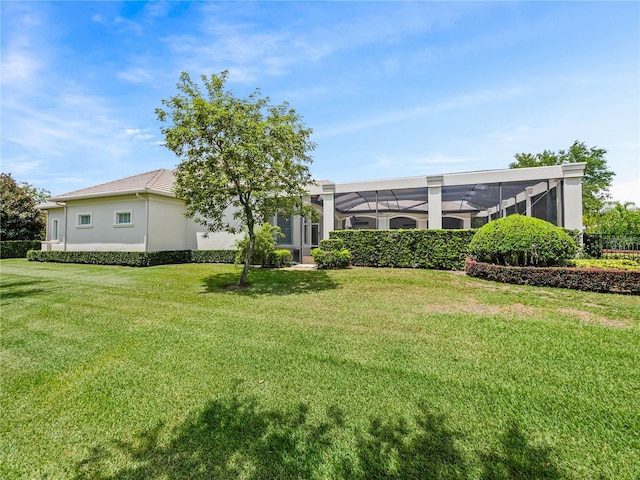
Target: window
(84,220)
(54,230)
(284,223)
(123,218)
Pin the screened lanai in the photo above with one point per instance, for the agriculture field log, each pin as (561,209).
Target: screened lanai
(463,200)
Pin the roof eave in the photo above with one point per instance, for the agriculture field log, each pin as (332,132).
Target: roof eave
(113,193)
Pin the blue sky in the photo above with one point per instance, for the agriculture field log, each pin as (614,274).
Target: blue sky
(391,89)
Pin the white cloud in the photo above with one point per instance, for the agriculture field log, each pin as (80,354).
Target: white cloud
(136,75)
(137,134)
(25,53)
(628,191)
(406,164)
(157,9)
(456,102)
(19,68)
(125,25)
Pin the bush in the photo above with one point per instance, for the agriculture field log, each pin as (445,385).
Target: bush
(332,244)
(440,249)
(587,279)
(331,254)
(17,248)
(331,259)
(265,244)
(280,258)
(517,240)
(134,259)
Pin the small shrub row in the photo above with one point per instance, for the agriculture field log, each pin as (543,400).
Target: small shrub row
(17,248)
(606,263)
(587,279)
(134,259)
(439,249)
(331,254)
(212,256)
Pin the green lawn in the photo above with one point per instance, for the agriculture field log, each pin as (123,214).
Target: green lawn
(123,373)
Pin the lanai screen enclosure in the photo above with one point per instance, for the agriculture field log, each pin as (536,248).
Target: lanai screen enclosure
(462,200)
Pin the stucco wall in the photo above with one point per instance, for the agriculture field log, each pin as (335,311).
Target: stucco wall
(54,241)
(168,225)
(217,240)
(103,233)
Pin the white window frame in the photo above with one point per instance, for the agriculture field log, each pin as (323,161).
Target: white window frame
(85,225)
(117,213)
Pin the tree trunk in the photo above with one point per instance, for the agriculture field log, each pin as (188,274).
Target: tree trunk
(247,261)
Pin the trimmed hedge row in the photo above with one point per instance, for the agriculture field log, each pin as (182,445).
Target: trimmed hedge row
(439,249)
(17,248)
(588,279)
(135,259)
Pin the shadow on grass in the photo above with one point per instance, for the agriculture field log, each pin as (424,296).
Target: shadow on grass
(271,281)
(237,438)
(21,289)
(518,459)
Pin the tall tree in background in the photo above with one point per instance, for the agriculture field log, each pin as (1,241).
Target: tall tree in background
(619,219)
(597,176)
(19,219)
(236,154)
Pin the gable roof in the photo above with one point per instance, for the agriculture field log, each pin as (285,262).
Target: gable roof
(159,182)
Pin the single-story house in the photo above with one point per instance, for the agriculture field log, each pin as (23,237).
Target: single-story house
(141,213)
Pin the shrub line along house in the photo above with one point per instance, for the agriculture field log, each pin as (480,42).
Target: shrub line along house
(141,213)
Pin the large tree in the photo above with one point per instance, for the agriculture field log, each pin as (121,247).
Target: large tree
(619,219)
(19,219)
(236,154)
(597,176)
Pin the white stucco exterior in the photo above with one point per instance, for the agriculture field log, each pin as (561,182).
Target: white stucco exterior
(141,213)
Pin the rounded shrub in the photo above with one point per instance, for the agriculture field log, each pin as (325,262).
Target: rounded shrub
(522,241)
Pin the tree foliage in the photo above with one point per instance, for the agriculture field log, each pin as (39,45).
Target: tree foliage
(19,219)
(266,239)
(597,176)
(239,157)
(619,219)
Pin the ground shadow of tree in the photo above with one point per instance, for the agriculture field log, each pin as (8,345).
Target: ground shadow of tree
(236,438)
(230,439)
(20,289)
(516,458)
(395,449)
(271,281)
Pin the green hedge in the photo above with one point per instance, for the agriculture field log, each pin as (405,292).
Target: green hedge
(213,256)
(134,259)
(17,248)
(587,279)
(439,249)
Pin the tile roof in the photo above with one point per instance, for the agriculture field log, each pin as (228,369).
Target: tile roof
(157,181)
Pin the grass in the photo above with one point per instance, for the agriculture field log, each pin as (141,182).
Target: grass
(123,373)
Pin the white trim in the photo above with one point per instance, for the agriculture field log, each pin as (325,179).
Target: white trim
(117,213)
(84,225)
